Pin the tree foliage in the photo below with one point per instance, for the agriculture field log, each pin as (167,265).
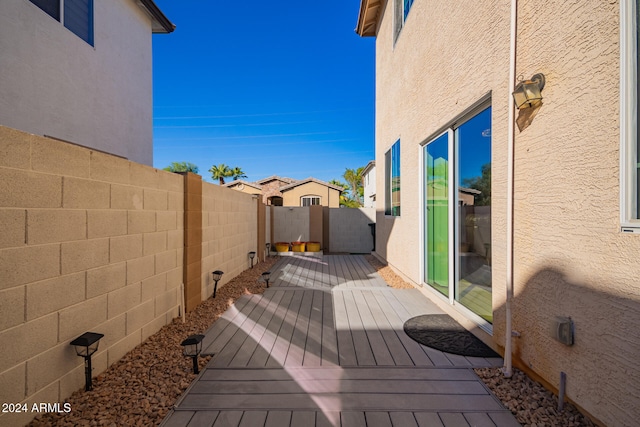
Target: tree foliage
(354,179)
(182,167)
(481,183)
(237,173)
(220,172)
(353,192)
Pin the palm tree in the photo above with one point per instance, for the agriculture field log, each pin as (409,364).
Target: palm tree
(344,196)
(220,172)
(182,167)
(354,179)
(237,173)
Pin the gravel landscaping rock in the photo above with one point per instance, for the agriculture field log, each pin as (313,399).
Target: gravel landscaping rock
(140,389)
(531,403)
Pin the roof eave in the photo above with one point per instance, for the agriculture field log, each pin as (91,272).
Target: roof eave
(368,17)
(160,24)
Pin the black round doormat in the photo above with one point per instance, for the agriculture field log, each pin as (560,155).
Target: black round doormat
(442,332)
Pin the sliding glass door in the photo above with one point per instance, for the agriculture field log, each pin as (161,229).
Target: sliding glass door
(458,240)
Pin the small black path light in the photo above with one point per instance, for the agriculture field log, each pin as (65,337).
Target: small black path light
(265,276)
(87,344)
(192,347)
(251,256)
(216,277)
(268,245)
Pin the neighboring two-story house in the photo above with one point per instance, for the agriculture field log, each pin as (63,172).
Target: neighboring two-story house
(521,223)
(81,71)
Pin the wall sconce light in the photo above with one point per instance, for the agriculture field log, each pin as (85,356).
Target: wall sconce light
(251,256)
(266,276)
(527,93)
(216,277)
(191,347)
(87,344)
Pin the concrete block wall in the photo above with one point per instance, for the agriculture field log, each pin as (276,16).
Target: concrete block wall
(229,233)
(349,230)
(290,224)
(89,242)
(337,229)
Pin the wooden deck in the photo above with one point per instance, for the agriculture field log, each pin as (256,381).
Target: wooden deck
(324,346)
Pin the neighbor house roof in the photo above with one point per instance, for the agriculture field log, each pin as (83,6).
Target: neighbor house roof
(368,17)
(159,22)
(305,181)
(370,165)
(275,178)
(239,182)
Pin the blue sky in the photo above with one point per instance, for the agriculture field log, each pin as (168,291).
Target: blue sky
(277,88)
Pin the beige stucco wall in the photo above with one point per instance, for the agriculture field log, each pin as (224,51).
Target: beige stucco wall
(89,242)
(54,83)
(245,189)
(328,196)
(229,233)
(570,257)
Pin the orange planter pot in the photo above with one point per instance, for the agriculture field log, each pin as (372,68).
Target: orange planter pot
(282,246)
(297,246)
(313,246)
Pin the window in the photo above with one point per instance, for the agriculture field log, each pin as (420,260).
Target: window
(77,15)
(392,180)
(630,145)
(309,200)
(402,8)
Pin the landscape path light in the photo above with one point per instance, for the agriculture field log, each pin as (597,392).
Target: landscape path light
(268,245)
(87,344)
(191,347)
(216,277)
(251,256)
(266,276)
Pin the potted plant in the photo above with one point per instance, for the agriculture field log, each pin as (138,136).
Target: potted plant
(297,246)
(313,246)
(282,246)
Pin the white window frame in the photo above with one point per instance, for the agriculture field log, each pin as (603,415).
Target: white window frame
(399,17)
(629,215)
(310,197)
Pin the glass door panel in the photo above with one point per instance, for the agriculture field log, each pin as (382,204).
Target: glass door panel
(473,219)
(436,216)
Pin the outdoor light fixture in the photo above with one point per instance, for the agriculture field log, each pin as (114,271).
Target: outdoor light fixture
(527,93)
(216,276)
(251,256)
(87,344)
(265,276)
(191,347)
(268,245)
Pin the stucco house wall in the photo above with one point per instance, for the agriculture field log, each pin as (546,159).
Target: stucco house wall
(54,83)
(571,258)
(329,197)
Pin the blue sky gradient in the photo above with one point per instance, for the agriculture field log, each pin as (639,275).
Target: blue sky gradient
(277,88)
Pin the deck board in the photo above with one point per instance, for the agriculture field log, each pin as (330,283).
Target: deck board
(325,346)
